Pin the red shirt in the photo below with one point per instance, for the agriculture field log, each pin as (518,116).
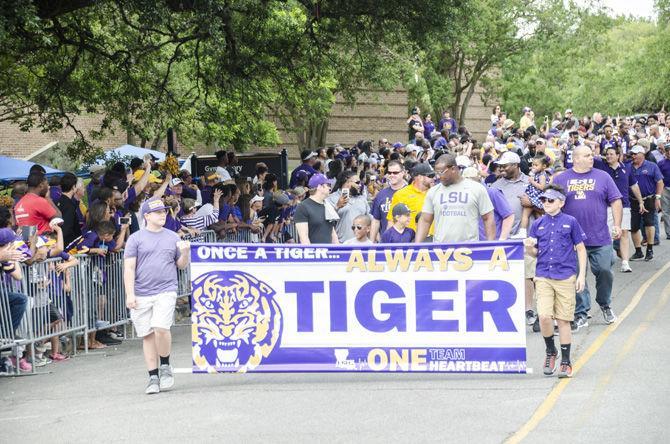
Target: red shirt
(34,210)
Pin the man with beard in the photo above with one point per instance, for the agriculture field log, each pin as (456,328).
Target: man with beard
(455,205)
(609,140)
(34,208)
(414,194)
(349,203)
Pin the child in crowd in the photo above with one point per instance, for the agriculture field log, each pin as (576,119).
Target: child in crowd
(557,276)
(538,180)
(98,242)
(361,229)
(399,232)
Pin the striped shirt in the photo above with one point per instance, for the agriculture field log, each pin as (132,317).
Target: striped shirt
(201,222)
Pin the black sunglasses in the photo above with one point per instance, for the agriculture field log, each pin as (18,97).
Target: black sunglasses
(545,199)
(357,227)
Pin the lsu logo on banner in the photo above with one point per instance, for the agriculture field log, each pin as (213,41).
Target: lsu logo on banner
(236,321)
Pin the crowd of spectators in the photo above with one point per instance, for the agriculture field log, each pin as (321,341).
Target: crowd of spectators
(441,185)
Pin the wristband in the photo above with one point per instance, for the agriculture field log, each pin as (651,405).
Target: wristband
(658,197)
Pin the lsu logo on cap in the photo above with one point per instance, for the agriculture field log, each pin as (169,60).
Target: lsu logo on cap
(236,321)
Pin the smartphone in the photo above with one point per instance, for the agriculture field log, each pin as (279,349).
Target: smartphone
(345,193)
(124,220)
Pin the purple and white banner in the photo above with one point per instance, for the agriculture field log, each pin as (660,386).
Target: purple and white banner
(397,308)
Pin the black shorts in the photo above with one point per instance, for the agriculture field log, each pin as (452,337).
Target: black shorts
(636,219)
(48,312)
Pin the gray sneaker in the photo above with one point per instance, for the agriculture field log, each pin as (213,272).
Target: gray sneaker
(153,386)
(608,315)
(166,378)
(580,322)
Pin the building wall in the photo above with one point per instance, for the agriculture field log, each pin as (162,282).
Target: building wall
(377,114)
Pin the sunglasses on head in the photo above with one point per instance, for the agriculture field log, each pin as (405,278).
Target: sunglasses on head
(357,227)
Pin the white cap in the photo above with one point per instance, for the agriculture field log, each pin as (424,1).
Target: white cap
(463,161)
(508,157)
(255,199)
(176,181)
(470,173)
(637,149)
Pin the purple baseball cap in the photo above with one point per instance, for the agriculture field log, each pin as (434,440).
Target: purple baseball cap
(153,204)
(317,179)
(6,236)
(553,194)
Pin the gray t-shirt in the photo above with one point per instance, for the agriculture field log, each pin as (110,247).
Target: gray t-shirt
(314,214)
(357,206)
(513,189)
(456,210)
(157,254)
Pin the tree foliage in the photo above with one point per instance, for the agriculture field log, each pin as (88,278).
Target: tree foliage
(614,65)
(213,69)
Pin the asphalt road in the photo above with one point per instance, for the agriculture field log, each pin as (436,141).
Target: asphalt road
(619,393)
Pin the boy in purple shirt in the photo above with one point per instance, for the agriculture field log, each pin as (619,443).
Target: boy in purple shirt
(151,259)
(399,232)
(553,238)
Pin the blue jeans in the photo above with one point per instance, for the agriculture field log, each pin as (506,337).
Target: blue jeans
(601,260)
(17,307)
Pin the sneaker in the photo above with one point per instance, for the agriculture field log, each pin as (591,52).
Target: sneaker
(637,256)
(153,386)
(565,371)
(550,365)
(579,322)
(59,357)
(608,314)
(41,361)
(106,339)
(165,376)
(536,325)
(6,367)
(24,365)
(625,268)
(649,256)
(531,317)
(41,348)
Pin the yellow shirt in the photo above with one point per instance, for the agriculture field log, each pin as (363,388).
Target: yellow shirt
(413,198)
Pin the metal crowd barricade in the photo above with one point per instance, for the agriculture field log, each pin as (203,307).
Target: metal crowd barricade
(55,299)
(101,279)
(9,340)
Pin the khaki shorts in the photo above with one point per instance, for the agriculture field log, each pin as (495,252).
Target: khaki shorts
(556,298)
(153,312)
(529,263)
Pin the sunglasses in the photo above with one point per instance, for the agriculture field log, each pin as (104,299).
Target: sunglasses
(544,199)
(357,227)
(393,172)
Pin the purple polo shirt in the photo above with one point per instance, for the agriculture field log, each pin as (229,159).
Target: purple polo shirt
(392,236)
(622,177)
(588,196)
(556,239)
(647,176)
(501,210)
(381,206)
(664,166)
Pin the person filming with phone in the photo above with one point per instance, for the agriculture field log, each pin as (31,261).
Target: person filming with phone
(350,201)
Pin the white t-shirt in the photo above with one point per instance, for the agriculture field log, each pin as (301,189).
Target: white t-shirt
(223,174)
(457,210)
(353,240)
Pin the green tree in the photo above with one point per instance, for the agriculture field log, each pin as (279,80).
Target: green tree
(212,69)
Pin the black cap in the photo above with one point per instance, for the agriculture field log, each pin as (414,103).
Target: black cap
(422,169)
(400,209)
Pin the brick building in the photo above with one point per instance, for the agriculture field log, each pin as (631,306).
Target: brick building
(376,114)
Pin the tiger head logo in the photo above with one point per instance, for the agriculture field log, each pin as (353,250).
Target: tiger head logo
(236,321)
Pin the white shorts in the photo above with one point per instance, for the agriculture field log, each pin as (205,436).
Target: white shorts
(625,220)
(153,312)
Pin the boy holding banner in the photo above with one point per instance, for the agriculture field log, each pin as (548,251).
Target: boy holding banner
(553,238)
(150,264)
